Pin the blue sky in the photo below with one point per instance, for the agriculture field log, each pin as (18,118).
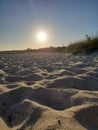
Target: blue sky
(64,21)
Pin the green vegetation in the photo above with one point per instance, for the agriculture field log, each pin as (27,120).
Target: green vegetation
(87,46)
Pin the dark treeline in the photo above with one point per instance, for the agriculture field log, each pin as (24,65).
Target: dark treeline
(43,50)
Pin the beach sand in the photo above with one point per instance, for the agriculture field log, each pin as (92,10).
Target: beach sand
(48,91)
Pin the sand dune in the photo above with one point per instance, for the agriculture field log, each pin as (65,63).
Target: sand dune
(48,92)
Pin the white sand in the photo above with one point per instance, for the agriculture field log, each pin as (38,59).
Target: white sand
(42,91)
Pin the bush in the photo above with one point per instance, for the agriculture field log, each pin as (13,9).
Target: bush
(86,46)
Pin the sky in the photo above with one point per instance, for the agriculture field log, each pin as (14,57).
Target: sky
(63,21)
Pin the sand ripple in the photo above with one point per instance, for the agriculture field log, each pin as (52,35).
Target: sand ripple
(48,91)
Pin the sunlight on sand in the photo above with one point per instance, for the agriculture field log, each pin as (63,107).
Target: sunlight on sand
(48,91)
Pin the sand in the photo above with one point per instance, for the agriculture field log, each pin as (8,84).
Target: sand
(48,91)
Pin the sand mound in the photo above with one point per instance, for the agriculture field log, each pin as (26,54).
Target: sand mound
(60,101)
(12,70)
(24,72)
(33,77)
(64,99)
(29,113)
(1,64)
(74,82)
(12,102)
(2,73)
(88,117)
(13,78)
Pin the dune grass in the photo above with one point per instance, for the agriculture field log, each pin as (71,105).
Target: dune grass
(85,46)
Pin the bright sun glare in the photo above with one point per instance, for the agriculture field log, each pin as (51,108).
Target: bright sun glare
(42,36)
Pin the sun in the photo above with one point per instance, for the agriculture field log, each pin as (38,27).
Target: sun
(42,36)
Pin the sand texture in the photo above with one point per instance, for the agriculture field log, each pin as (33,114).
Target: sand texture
(48,91)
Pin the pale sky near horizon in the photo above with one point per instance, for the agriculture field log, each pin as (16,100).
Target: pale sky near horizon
(63,21)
